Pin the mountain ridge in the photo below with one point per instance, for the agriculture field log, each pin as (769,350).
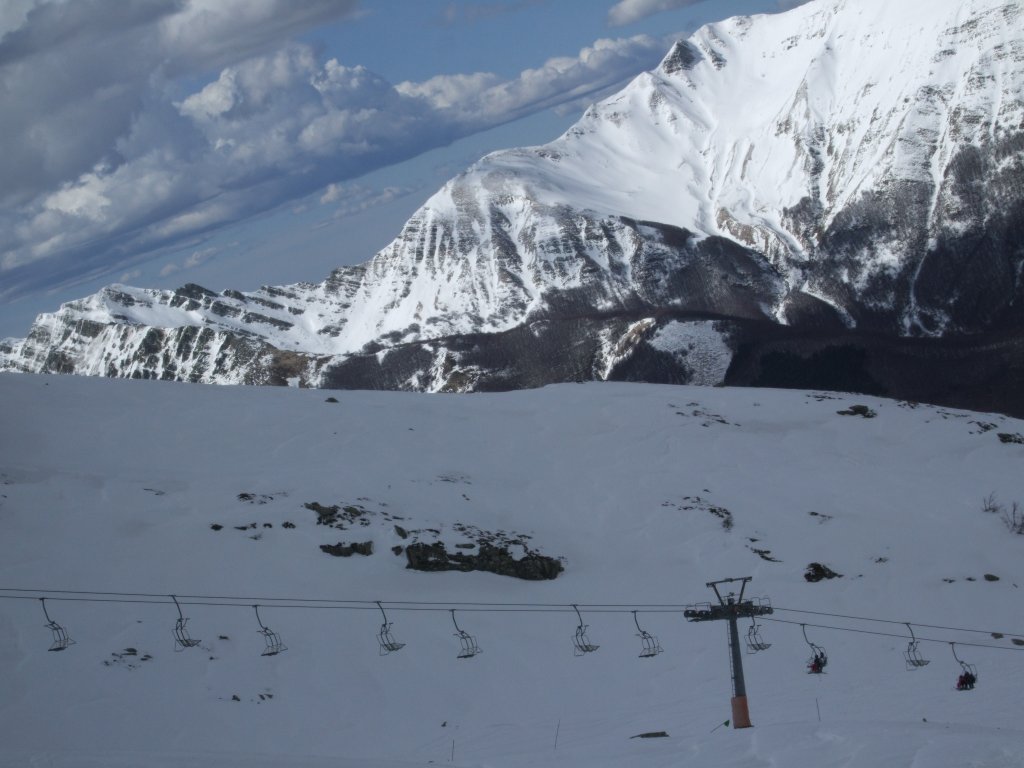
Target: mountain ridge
(821,168)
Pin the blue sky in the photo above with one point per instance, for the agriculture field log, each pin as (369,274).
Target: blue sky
(236,143)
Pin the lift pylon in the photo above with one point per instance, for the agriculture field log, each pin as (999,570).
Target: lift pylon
(731,608)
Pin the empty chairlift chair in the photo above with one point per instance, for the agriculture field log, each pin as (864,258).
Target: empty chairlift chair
(272,644)
(754,641)
(468,647)
(60,635)
(650,647)
(182,640)
(581,643)
(912,654)
(387,641)
(968,673)
(819,659)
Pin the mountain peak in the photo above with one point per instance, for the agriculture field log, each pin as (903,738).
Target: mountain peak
(683,56)
(842,167)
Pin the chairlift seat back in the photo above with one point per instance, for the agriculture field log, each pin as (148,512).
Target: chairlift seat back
(61,640)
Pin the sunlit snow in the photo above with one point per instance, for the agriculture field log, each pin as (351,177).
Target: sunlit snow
(114,485)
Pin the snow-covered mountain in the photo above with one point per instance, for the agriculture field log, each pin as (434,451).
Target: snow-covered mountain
(847,165)
(224,496)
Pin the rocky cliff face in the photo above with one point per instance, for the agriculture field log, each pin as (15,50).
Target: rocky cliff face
(846,167)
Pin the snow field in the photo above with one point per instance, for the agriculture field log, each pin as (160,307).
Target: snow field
(598,474)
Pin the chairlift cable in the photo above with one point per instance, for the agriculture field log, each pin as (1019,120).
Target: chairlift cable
(437,606)
(893,621)
(443,604)
(890,634)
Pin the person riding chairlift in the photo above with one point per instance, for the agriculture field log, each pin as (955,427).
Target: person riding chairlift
(817,663)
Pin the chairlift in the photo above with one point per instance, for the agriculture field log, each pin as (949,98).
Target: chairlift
(469,647)
(182,640)
(388,644)
(968,672)
(651,646)
(61,640)
(581,643)
(272,640)
(819,659)
(754,641)
(912,654)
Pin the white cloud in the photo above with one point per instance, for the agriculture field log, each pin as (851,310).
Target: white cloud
(198,257)
(448,91)
(111,161)
(191,261)
(13,14)
(332,193)
(214,100)
(356,198)
(75,76)
(85,198)
(628,11)
(482,99)
(216,32)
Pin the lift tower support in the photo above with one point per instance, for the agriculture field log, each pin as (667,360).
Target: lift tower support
(731,608)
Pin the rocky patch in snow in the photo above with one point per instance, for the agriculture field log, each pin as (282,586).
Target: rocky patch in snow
(488,557)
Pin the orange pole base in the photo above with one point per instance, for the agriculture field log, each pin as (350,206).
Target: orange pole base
(740,713)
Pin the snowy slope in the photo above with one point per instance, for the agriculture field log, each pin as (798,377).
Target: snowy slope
(113,486)
(841,165)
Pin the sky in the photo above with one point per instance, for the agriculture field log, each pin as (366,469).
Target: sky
(238,143)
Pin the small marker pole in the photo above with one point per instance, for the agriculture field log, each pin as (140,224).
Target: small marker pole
(818,706)
(557,729)
(453,752)
(720,725)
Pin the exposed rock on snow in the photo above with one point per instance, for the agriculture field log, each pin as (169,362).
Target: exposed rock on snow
(341,549)
(436,557)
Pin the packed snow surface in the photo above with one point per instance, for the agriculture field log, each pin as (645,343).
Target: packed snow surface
(113,486)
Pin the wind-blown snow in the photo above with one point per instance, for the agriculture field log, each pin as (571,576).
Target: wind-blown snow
(113,486)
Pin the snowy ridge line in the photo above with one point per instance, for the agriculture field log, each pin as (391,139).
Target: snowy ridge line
(472,607)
